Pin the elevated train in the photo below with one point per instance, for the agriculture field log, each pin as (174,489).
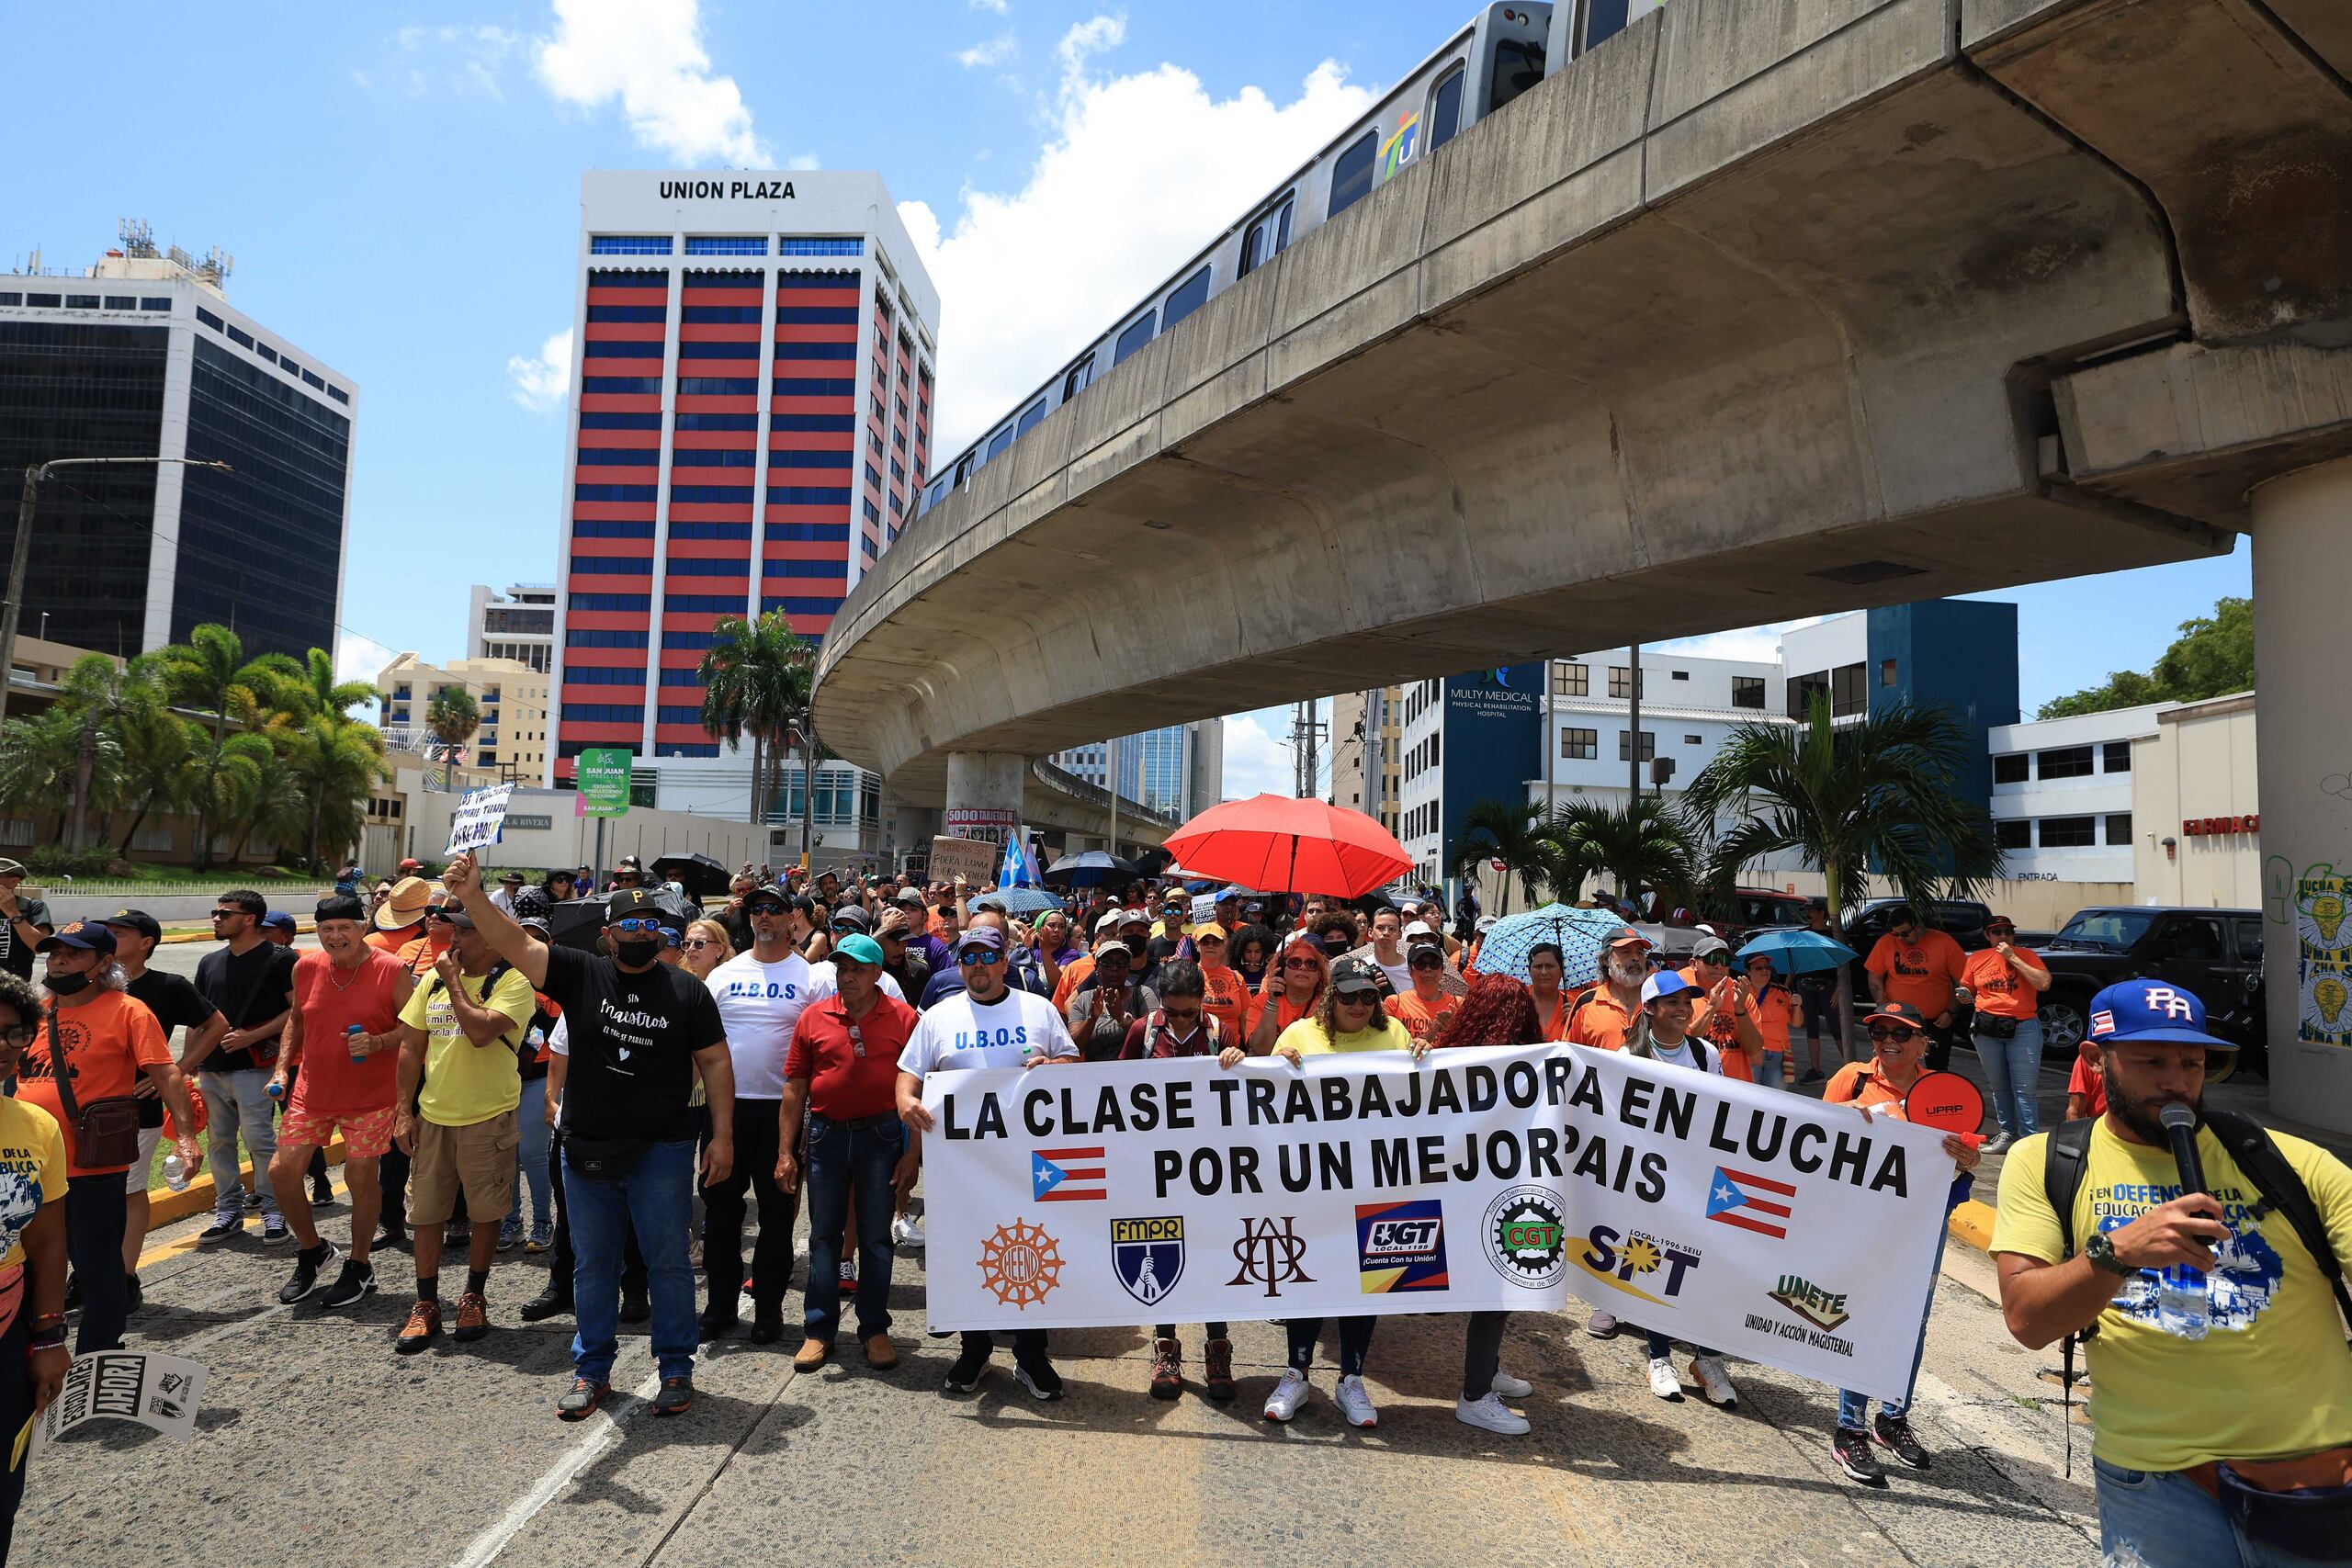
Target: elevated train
(1500,53)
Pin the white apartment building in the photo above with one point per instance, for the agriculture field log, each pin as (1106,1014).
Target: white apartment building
(518,624)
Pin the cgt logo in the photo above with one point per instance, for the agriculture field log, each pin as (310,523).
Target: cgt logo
(1401,1246)
(1616,1260)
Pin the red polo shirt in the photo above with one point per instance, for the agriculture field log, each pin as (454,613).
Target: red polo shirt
(842,1084)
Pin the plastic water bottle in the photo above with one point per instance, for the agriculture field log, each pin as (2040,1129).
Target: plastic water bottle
(276,1090)
(351,1033)
(2180,1302)
(175,1172)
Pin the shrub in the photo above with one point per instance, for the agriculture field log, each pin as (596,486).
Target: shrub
(56,860)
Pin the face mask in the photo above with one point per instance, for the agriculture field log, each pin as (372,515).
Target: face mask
(66,985)
(639,952)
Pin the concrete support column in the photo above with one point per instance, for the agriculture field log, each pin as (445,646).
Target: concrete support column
(2302,559)
(987,781)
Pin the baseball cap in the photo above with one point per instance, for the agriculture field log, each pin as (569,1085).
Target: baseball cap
(1664,983)
(90,936)
(1897,1012)
(455,913)
(12,867)
(851,916)
(410,867)
(1110,922)
(1134,918)
(512,879)
(769,890)
(1354,974)
(1488,922)
(859,948)
(2151,1012)
(1209,933)
(1992,920)
(628,901)
(911,895)
(1622,935)
(138,920)
(279,918)
(1103,950)
(1420,929)
(981,936)
(533,924)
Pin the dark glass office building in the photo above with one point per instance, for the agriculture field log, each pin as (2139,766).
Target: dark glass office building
(146,359)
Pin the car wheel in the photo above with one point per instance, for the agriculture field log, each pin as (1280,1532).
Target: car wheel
(2064,1020)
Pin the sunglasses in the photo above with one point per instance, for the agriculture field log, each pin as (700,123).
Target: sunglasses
(978,960)
(700,942)
(1194,1016)
(636,923)
(226,914)
(1723,958)
(1359,998)
(1898,1032)
(771,910)
(1300,964)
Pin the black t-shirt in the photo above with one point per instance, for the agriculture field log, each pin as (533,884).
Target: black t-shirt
(252,989)
(16,954)
(632,1042)
(176,1003)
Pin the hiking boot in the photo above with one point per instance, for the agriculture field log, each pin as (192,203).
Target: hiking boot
(1893,1433)
(581,1400)
(306,1272)
(1852,1449)
(473,1317)
(357,1280)
(422,1327)
(1218,1373)
(677,1396)
(1166,1369)
(553,1301)
(813,1353)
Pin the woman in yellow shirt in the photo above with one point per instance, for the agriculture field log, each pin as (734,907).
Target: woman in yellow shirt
(33,1358)
(1348,1018)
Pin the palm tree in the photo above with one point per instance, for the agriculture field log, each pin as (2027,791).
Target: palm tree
(1640,846)
(317,690)
(451,716)
(210,673)
(1511,832)
(756,681)
(101,693)
(254,792)
(1879,794)
(336,762)
(162,766)
(39,757)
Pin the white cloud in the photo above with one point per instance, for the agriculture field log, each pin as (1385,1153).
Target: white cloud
(803,161)
(999,7)
(649,55)
(542,379)
(995,52)
(359,658)
(1255,763)
(465,60)
(1137,172)
(1759,643)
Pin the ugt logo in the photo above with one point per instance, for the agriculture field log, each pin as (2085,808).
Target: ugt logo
(1268,1253)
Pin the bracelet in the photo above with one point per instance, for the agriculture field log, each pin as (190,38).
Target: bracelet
(53,1340)
(46,1320)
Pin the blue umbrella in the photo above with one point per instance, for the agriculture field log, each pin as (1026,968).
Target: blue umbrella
(1018,901)
(1798,952)
(1578,933)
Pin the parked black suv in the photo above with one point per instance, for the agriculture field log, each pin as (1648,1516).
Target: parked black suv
(2217,954)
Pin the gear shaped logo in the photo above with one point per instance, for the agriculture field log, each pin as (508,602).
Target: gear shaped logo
(1021,1264)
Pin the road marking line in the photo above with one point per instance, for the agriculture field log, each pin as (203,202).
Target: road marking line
(606,1430)
(188,1243)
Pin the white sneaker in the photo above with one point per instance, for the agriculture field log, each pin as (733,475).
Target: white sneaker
(1663,1382)
(1489,1413)
(1288,1395)
(1714,1383)
(1355,1404)
(1601,1326)
(906,1231)
(1509,1386)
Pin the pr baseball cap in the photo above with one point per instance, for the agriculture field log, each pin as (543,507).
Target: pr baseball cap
(2151,1012)
(138,920)
(90,936)
(1664,983)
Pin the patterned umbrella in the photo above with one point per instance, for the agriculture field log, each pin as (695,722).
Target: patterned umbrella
(1578,933)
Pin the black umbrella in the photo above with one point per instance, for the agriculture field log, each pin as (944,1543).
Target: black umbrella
(578,922)
(1091,869)
(700,876)
(1154,860)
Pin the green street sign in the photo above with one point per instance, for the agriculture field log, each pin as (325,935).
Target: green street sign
(603,781)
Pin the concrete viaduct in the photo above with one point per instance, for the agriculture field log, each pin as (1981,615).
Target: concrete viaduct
(1761,309)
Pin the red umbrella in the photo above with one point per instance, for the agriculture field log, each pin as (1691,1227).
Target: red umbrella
(1277,844)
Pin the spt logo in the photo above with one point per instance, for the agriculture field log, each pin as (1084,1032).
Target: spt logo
(1526,1236)
(1401,1246)
(1617,1259)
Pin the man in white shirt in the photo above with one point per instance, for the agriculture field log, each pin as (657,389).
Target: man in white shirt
(504,896)
(988,1024)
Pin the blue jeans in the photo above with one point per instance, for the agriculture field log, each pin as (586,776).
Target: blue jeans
(1662,1344)
(842,1161)
(2013,1072)
(2163,1519)
(1854,1409)
(234,1100)
(1770,1071)
(531,1155)
(657,1198)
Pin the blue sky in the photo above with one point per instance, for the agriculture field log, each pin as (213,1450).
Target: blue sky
(400,187)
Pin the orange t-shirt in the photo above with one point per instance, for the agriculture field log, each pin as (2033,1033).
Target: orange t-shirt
(1422,1020)
(109,1039)
(1074,973)
(1554,1024)
(1776,1009)
(1923,975)
(385,942)
(1599,1020)
(2087,1081)
(1998,988)
(1719,1030)
(1858,1083)
(423,954)
(1227,998)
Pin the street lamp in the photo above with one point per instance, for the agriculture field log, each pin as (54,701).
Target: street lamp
(20,561)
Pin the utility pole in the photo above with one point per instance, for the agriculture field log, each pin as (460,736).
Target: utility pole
(20,558)
(1307,729)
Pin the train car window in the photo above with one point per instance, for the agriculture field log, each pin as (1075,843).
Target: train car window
(1080,374)
(996,447)
(1134,338)
(1030,418)
(1519,65)
(1187,297)
(1605,19)
(1282,229)
(1351,175)
(1252,246)
(1445,111)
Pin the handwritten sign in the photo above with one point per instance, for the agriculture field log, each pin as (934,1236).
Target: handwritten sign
(974,860)
(479,814)
(152,1390)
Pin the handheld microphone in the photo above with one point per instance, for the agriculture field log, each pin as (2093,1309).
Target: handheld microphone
(2180,1125)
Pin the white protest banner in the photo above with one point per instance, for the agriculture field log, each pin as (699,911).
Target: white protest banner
(975,859)
(479,814)
(1204,909)
(154,1390)
(1762,1224)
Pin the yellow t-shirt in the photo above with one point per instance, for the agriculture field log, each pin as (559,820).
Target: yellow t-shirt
(2271,1380)
(1385,1033)
(465,1083)
(32,1172)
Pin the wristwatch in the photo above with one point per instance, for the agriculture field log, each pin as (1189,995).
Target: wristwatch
(2102,1252)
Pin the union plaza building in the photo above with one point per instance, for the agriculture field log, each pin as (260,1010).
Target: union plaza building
(751,415)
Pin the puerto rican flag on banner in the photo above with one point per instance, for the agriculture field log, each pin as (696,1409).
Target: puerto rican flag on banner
(1755,1204)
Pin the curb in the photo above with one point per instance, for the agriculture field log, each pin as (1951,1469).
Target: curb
(299,930)
(1973,1222)
(166,1206)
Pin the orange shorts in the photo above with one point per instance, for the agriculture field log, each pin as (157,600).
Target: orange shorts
(365,1136)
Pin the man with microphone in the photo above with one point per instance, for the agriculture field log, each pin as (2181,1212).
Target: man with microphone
(2199,1254)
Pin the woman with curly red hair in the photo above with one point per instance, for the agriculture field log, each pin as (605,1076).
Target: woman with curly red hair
(1498,1011)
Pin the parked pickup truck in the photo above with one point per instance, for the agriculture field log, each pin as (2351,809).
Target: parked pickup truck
(2217,954)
